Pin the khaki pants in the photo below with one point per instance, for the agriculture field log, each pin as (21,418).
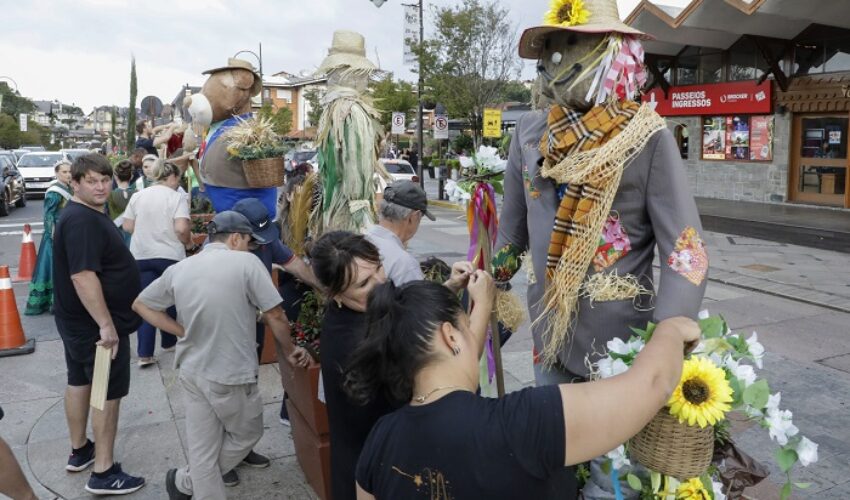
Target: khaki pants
(223,423)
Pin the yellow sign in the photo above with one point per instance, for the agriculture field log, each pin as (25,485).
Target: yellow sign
(492,123)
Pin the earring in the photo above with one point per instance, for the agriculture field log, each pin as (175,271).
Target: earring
(338,303)
(456,350)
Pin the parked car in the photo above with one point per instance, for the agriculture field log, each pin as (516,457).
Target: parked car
(20,152)
(10,155)
(73,154)
(37,169)
(400,170)
(296,158)
(12,188)
(34,149)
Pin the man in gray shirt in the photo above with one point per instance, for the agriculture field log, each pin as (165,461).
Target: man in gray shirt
(399,215)
(217,295)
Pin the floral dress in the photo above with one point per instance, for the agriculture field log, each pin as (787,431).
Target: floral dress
(41,287)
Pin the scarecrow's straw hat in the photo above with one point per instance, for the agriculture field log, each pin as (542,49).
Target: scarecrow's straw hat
(348,51)
(597,16)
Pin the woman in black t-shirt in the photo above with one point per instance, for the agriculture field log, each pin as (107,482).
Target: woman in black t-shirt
(449,442)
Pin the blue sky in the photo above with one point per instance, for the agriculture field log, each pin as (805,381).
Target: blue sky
(79,51)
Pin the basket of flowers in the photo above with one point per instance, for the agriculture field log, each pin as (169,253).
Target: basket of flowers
(678,444)
(261,150)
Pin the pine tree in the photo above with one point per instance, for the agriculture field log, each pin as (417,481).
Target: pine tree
(113,131)
(131,113)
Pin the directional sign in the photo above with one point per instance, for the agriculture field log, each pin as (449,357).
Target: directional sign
(492,123)
(23,122)
(441,127)
(399,124)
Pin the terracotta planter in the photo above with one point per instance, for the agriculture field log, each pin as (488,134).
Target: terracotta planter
(313,452)
(302,387)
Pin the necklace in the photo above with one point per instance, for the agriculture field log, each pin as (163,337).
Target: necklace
(421,399)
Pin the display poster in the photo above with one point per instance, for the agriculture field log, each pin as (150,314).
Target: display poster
(714,138)
(739,137)
(492,123)
(835,137)
(761,138)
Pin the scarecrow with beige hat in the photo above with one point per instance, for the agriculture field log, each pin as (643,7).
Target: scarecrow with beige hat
(594,184)
(349,138)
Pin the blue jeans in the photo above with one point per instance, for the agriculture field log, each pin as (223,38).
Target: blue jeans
(149,271)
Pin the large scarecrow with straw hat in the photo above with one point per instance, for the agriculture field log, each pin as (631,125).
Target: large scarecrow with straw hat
(594,184)
(349,137)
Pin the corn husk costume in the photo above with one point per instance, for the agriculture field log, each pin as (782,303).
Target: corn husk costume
(349,138)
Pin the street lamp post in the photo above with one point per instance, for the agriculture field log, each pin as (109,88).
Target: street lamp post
(260,60)
(419,129)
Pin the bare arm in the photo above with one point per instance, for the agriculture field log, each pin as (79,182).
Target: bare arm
(88,288)
(643,390)
(159,319)
(482,293)
(277,321)
(197,171)
(183,230)
(129,225)
(302,271)
(164,137)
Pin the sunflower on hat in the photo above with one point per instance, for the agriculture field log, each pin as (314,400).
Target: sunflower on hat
(566,13)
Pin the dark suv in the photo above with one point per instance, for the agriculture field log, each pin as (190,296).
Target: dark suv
(12,189)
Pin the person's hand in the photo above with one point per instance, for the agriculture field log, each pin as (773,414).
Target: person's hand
(461,271)
(481,287)
(685,328)
(300,358)
(109,339)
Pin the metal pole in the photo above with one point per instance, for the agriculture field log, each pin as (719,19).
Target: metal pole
(262,90)
(419,112)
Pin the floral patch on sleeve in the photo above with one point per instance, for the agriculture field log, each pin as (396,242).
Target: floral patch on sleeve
(614,243)
(689,257)
(506,262)
(529,183)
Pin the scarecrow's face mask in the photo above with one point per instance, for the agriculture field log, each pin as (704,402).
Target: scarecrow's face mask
(564,58)
(340,77)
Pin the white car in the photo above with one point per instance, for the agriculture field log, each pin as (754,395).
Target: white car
(37,170)
(73,154)
(400,170)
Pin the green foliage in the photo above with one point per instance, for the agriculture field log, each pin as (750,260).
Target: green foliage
(131,113)
(113,127)
(281,118)
(515,91)
(757,394)
(314,98)
(634,482)
(786,457)
(471,57)
(13,103)
(391,96)
(307,329)
(463,142)
(11,136)
(259,152)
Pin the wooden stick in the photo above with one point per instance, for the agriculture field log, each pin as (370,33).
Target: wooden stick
(100,377)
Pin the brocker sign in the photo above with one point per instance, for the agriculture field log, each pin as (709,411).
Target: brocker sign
(712,99)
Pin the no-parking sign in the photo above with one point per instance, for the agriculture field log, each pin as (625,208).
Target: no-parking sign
(399,123)
(441,127)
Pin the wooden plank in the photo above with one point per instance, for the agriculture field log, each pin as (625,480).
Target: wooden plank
(100,378)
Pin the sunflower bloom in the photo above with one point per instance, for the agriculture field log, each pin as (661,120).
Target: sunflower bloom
(692,490)
(566,13)
(703,395)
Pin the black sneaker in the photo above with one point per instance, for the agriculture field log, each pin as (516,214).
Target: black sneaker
(117,482)
(231,478)
(171,487)
(80,459)
(256,460)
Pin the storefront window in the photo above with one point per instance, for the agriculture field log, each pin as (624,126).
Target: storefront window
(738,138)
(711,68)
(838,56)
(745,61)
(808,59)
(824,140)
(687,70)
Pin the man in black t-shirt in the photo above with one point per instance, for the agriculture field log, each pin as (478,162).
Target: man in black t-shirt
(95,280)
(148,138)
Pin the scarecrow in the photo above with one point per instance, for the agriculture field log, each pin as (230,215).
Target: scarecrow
(224,100)
(349,137)
(594,184)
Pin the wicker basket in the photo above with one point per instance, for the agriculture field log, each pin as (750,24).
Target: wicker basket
(268,172)
(673,449)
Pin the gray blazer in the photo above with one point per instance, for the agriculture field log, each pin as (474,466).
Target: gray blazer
(654,204)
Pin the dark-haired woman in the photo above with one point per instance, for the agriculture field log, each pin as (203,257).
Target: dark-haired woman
(449,442)
(349,267)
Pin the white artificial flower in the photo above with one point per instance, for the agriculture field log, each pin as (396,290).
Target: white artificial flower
(729,362)
(773,402)
(456,193)
(745,374)
(618,457)
(617,346)
(756,349)
(703,314)
(466,161)
(807,451)
(780,426)
(717,488)
(637,345)
(609,367)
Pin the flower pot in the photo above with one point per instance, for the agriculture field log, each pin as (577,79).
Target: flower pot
(313,452)
(264,173)
(302,387)
(673,449)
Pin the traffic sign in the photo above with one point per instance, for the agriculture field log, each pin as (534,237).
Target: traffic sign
(399,124)
(492,123)
(441,127)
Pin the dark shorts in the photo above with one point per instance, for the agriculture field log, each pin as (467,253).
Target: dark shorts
(79,359)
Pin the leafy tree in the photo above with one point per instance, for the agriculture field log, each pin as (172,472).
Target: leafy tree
(463,143)
(516,92)
(281,118)
(470,58)
(314,98)
(13,103)
(131,113)
(13,106)
(393,96)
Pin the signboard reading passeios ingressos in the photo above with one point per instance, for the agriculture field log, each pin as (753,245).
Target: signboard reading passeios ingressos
(712,99)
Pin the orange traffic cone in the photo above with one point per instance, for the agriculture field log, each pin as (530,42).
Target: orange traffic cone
(12,339)
(26,265)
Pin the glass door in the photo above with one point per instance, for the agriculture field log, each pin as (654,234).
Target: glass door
(819,159)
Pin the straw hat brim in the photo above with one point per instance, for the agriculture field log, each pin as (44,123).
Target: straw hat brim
(256,88)
(345,60)
(531,42)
